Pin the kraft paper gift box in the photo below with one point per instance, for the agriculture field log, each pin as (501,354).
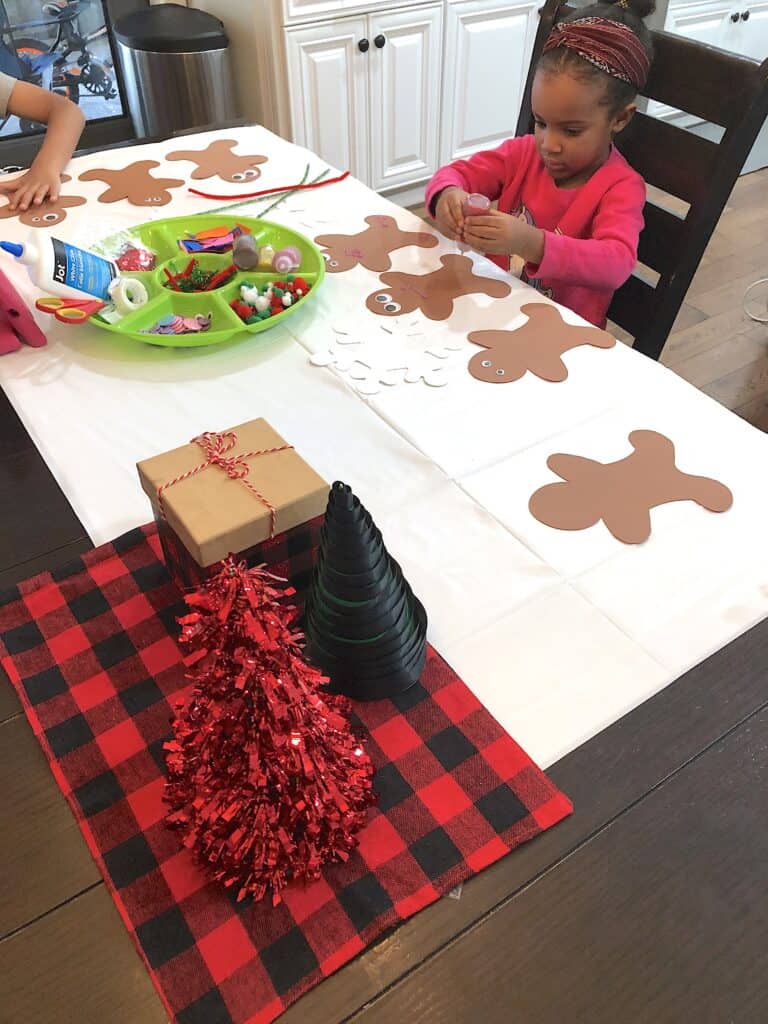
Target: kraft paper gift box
(244,491)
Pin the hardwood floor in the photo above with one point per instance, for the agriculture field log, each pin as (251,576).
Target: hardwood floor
(714,344)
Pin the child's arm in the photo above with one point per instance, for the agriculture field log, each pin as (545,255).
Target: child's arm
(65,124)
(604,260)
(608,257)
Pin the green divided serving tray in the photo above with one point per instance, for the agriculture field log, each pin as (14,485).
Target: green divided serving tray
(162,237)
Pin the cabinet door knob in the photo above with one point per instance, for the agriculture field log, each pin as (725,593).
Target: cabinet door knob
(379,41)
(735,17)
(363,46)
(745,16)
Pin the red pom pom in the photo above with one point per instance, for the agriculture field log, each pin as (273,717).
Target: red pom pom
(243,310)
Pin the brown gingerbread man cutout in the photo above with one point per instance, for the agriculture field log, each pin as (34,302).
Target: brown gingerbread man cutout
(622,493)
(370,248)
(218,160)
(133,183)
(433,293)
(48,213)
(536,346)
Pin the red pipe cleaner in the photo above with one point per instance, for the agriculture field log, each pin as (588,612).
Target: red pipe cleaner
(272,191)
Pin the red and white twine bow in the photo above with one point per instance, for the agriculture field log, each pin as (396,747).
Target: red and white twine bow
(215,446)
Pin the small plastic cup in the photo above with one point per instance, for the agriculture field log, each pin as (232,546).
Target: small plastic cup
(475,205)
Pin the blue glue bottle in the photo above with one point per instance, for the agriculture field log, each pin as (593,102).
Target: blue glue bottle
(61,269)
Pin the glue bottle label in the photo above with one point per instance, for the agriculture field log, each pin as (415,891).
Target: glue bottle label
(81,270)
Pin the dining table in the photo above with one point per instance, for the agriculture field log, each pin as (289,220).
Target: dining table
(635,674)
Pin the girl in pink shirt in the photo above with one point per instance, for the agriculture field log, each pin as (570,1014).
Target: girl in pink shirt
(569,205)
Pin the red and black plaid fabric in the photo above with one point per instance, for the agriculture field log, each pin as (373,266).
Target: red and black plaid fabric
(91,650)
(290,554)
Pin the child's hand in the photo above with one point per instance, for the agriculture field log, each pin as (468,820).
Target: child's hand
(493,232)
(502,234)
(448,212)
(38,184)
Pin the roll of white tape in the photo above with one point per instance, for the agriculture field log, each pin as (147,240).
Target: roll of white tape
(128,294)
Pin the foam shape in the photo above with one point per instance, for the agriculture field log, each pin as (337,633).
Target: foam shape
(48,213)
(372,247)
(622,493)
(218,161)
(133,183)
(432,294)
(536,347)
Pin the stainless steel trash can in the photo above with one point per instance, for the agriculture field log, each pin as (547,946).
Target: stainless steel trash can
(176,68)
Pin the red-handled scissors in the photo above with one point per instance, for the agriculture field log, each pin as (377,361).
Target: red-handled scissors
(70,311)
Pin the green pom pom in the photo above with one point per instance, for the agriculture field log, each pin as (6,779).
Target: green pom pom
(278,292)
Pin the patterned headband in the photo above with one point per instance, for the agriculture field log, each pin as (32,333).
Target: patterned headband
(608,45)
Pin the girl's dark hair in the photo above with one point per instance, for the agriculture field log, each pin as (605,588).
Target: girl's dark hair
(630,13)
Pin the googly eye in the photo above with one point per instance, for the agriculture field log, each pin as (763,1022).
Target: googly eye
(238,176)
(50,218)
(383,298)
(35,220)
(486,362)
(392,307)
(499,373)
(249,173)
(333,263)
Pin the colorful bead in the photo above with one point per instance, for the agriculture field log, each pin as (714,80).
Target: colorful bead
(266,255)
(288,258)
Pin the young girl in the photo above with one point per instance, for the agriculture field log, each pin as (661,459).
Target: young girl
(569,205)
(65,124)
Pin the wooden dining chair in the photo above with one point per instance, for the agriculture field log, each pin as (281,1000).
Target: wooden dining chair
(719,87)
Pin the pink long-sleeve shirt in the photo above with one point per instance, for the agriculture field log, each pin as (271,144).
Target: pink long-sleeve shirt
(590,232)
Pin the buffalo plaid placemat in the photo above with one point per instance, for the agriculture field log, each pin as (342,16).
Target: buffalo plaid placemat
(91,650)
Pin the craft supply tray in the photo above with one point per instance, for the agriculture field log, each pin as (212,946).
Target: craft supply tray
(162,237)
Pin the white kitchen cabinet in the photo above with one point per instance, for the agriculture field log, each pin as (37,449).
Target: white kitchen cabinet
(293,10)
(329,100)
(365,93)
(706,23)
(313,10)
(751,32)
(734,25)
(488,45)
(404,75)
(738,25)
(445,80)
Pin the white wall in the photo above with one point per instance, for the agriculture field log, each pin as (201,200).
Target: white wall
(239,20)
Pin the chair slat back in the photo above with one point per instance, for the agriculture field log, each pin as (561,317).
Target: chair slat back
(660,239)
(672,159)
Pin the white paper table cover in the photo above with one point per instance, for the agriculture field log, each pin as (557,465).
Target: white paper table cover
(557,633)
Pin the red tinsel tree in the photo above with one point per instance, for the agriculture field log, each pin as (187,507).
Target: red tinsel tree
(266,781)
